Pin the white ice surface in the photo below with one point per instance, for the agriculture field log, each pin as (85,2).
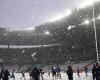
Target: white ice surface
(63,76)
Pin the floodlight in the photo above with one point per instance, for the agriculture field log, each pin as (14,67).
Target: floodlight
(46,32)
(86,22)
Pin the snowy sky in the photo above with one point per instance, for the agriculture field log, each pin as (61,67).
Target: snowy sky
(29,13)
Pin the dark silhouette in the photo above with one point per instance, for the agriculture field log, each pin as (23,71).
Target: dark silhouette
(6,75)
(70,73)
(12,75)
(30,74)
(58,72)
(94,72)
(53,71)
(78,71)
(41,73)
(23,75)
(2,74)
(86,70)
(35,73)
(97,71)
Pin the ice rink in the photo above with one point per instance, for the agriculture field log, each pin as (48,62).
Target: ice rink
(63,76)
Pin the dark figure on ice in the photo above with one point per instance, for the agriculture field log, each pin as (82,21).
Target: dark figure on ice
(2,74)
(97,71)
(12,74)
(30,74)
(6,75)
(23,75)
(35,73)
(53,72)
(86,70)
(70,73)
(78,72)
(94,72)
(58,72)
(41,73)
(49,73)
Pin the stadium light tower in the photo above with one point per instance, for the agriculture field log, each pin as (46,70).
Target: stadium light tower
(91,3)
(95,31)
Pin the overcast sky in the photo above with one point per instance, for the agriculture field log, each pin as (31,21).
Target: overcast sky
(29,13)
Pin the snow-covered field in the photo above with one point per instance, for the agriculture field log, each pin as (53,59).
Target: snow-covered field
(63,76)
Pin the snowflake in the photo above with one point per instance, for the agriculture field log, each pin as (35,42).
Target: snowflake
(33,54)
(23,51)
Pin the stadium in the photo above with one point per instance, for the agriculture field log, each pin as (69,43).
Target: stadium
(70,39)
(66,47)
